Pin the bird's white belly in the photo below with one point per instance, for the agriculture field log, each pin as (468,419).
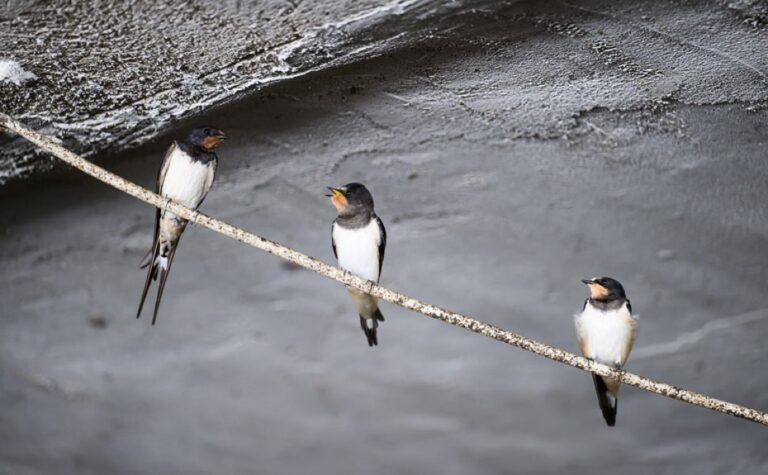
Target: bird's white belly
(358,250)
(185,179)
(607,334)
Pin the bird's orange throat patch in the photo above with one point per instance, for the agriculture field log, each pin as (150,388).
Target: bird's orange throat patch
(211,142)
(597,291)
(339,201)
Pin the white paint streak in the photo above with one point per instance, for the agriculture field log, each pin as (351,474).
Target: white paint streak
(11,71)
(695,336)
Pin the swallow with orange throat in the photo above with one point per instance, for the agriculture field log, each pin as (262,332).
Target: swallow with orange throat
(606,330)
(359,239)
(185,176)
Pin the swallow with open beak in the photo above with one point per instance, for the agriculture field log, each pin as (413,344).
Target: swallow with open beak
(359,240)
(606,330)
(186,176)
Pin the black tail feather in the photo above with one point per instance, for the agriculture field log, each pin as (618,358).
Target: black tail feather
(148,257)
(370,333)
(163,274)
(378,316)
(609,411)
(150,272)
(155,271)
(374,328)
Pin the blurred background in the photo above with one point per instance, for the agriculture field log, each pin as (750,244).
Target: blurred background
(512,148)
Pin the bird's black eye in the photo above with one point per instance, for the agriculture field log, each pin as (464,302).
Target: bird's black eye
(207,131)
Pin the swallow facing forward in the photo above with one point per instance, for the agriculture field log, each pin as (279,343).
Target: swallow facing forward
(606,330)
(186,176)
(359,239)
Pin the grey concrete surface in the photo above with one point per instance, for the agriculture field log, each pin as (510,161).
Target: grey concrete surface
(112,74)
(511,153)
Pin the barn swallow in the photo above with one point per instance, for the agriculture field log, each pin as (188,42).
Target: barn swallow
(359,240)
(606,330)
(186,176)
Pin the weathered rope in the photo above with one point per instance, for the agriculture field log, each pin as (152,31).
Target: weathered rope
(51,146)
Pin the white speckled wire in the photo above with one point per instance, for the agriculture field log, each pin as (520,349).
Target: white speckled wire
(556,354)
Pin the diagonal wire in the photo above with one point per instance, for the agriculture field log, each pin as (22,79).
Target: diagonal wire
(463,321)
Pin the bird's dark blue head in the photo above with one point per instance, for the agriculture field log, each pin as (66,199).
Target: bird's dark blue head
(206,138)
(605,288)
(352,198)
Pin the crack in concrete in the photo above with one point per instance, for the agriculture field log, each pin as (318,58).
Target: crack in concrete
(609,54)
(674,38)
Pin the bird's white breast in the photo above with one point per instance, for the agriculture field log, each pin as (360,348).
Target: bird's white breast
(185,181)
(358,249)
(607,334)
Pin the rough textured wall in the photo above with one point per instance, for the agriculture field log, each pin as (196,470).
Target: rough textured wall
(111,74)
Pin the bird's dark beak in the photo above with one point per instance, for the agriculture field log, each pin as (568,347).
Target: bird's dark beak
(587,281)
(221,136)
(335,192)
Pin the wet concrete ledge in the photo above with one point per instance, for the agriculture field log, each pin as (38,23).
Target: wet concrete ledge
(112,75)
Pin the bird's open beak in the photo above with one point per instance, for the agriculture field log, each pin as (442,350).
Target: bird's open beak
(338,198)
(335,192)
(221,136)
